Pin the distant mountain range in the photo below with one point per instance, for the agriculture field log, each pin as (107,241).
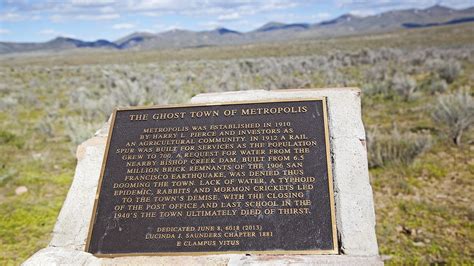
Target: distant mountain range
(271,32)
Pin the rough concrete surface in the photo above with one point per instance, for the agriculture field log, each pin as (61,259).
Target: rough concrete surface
(353,194)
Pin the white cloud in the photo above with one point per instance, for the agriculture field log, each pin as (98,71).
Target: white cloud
(152,14)
(380,3)
(61,18)
(4,31)
(109,9)
(93,3)
(11,17)
(123,26)
(231,16)
(97,17)
(149,5)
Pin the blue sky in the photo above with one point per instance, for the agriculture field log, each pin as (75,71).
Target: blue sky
(42,20)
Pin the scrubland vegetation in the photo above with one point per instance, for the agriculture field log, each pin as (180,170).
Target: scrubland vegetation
(418,109)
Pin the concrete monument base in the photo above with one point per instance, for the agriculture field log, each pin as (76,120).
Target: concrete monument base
(355,215)
(62,256)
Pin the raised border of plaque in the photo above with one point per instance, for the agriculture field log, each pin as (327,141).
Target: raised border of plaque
(333,250)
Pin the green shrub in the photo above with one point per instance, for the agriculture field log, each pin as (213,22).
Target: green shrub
(395,148)
(6,137)
(437,86)
(377,88)
(78,130)
(454,114)
(10,138)
(404,85)
(447,69)
(450,70)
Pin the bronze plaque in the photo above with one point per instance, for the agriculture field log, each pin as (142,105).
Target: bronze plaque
(225,178)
